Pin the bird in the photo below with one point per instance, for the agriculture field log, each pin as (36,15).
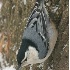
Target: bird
(39,37)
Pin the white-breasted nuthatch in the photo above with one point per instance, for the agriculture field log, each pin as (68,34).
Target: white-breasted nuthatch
(39,37)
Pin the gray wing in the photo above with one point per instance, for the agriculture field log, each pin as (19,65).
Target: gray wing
(38,20)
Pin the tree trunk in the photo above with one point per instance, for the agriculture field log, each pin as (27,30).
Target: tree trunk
(13,18)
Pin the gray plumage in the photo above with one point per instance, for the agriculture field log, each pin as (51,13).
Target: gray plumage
(31,34)
(37,22)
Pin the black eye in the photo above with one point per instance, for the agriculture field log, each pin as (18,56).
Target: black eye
(25,59)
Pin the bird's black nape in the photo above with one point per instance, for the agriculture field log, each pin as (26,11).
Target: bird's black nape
(22,50)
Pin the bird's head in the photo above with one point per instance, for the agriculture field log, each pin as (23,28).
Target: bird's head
(27,54)
(31,56)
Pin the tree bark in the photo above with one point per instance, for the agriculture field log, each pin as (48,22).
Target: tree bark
(13,18)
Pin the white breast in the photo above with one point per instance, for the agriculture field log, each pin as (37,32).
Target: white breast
(32,54)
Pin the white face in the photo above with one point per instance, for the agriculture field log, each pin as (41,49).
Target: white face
(31,55)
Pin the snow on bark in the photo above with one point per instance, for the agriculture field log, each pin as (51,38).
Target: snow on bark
(24,2)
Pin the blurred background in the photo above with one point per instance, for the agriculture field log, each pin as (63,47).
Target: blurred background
(13,17)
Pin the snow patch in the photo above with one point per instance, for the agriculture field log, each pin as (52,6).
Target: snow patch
(30,67)
(1,57)
(25,19)
(0,5)
(47,4)
(49,68)
(14,48)
(9,68)
(24,2)
(16,52)
(54,9)
(13,6)
(4,64)
(65,46)
(41,65)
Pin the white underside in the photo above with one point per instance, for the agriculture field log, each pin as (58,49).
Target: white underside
(32,57)
(32,54)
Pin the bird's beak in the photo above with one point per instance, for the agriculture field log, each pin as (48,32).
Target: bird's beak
(19,67)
